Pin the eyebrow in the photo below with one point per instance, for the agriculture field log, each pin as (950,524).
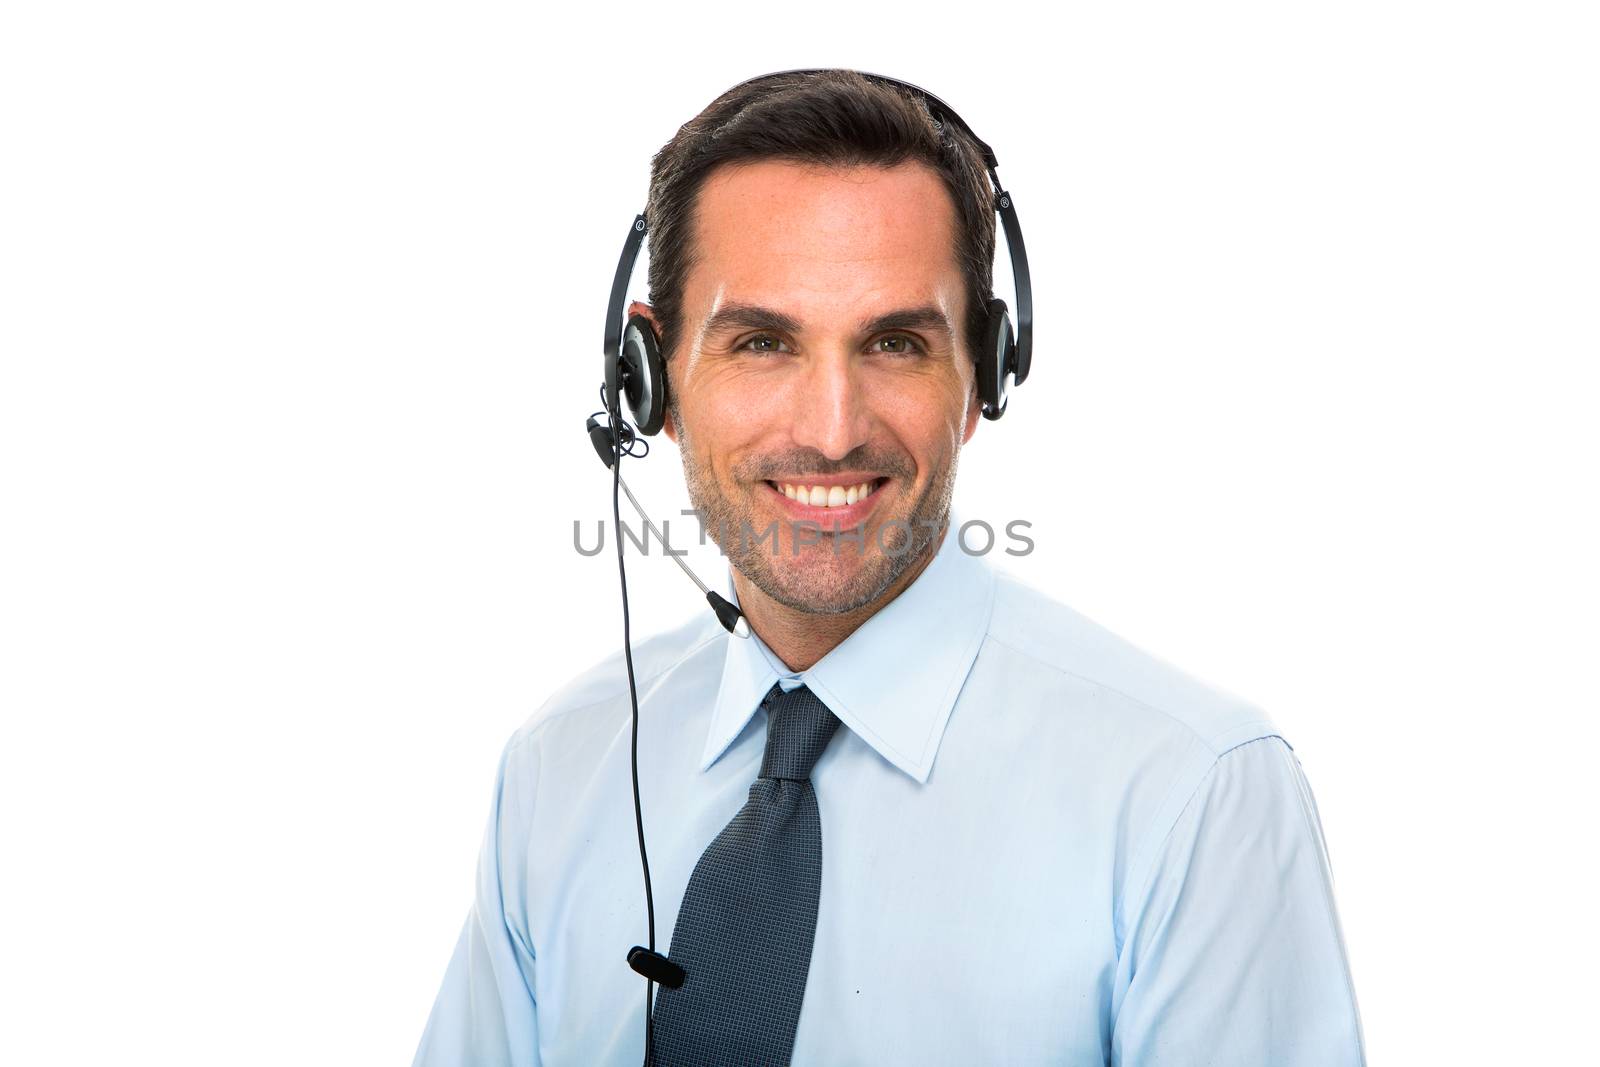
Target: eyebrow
(756,317)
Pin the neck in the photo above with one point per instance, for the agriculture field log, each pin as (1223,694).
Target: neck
(801,638)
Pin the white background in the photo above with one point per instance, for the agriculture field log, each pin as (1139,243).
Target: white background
(301,309)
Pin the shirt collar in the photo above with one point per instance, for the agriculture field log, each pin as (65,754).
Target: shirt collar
(894,681)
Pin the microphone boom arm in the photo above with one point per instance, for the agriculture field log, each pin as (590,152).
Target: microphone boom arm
(732,618)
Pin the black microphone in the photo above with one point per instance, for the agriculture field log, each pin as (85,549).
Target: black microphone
(728,614)
(656,967)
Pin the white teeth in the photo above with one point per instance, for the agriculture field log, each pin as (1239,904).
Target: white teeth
(826,496)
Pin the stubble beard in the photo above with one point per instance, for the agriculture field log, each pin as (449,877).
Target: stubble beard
(851,574)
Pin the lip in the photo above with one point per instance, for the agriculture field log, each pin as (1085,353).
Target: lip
(844,517)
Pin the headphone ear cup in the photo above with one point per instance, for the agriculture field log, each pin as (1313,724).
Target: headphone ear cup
(644,375)
(999,350)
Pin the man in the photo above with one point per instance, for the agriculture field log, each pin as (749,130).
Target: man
(1042,845)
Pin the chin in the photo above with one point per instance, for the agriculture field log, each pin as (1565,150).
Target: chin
(819,582)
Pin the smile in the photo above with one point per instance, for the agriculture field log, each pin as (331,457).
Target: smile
(828,496)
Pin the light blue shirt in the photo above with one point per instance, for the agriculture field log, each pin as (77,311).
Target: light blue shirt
(1041,845)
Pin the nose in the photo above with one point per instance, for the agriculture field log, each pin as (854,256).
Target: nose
(830,407)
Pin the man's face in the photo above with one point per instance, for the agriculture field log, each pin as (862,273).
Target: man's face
(822,363)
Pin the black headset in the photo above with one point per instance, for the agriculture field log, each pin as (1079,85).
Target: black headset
(635,371)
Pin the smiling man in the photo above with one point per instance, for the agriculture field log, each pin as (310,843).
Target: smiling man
(925,814)
(826,390)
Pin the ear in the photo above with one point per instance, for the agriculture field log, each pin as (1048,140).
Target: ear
(639,307)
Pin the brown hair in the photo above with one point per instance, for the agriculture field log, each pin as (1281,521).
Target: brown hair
(833,118)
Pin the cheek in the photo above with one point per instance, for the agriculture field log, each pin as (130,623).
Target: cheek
(731,393)
(931,412)
(723,415)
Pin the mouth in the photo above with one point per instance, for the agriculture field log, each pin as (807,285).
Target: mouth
(832,502)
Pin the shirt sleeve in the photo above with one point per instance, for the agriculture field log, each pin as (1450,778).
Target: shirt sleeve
(485,1014)
(1234,953)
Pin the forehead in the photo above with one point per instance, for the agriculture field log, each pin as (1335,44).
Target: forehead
(790,234)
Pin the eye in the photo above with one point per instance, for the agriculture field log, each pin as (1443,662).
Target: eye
(902,345)
(764,344)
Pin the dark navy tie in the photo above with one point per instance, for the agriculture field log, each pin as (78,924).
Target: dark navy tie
(749,914)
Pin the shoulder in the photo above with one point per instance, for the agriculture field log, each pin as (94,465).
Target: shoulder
(560,747)
(1149,695)
(599,692)
(1157,733)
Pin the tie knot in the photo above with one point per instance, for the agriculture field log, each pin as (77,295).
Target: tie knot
(799,727)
